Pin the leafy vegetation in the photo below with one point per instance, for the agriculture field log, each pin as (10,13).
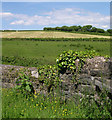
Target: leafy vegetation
(66,61)
(20,61)
(23,84)
(49,75)
(80,29)
(56,39)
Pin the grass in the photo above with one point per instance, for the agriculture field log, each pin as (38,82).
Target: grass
(47,51)
(15,105)
(48,34)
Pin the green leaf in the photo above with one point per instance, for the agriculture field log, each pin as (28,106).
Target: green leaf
(28,88)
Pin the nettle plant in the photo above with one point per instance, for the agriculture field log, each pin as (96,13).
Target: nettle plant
(67,60)
(49,76)
(23,83)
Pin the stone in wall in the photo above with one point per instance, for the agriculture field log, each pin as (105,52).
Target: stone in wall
(98,66)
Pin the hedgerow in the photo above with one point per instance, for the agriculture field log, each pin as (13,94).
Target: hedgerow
(58,39)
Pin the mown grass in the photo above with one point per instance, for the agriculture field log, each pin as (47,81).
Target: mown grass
(47,51)
(48,34)
(15,105)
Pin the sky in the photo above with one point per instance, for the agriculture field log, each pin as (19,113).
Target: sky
(37,15)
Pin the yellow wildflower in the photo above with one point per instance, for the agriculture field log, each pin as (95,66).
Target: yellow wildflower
(35,92)
(35,96)
(65,109)
(36,104)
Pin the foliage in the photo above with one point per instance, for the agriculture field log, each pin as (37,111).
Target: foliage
(56,39)
(15,105)
(21,61)
(100,30)
(94,29)
(67,60)
(109,31)
(83,29)
(94,110)
(49,75)
(87,28)
(23,84)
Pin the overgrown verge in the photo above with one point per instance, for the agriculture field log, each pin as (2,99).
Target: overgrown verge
(15,105)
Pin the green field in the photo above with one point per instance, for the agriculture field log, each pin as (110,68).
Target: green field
(47,51)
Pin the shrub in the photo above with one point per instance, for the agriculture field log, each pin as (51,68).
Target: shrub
(49,76)
(67,60)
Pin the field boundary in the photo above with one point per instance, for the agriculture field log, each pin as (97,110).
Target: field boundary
(58,39)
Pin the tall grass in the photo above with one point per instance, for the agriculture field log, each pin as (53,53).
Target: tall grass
(15,105)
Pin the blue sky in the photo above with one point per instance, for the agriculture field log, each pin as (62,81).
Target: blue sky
(37,15)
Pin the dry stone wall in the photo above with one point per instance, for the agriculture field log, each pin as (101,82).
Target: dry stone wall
(95,76)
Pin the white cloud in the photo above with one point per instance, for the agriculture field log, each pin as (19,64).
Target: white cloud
(17,22)
(68,16)
(105,26)
(6,14)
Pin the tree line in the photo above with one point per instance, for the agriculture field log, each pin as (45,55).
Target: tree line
(86,28)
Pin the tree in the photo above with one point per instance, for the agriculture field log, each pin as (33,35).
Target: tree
(94,29)
(79,28)
(75,28)
(64,28)
(109,31)
(86,28)
(45,28)
(100,30)
(57,28)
